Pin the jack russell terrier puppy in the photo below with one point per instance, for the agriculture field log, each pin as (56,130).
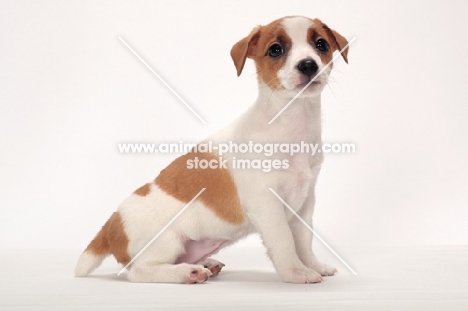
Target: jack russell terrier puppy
(288,53)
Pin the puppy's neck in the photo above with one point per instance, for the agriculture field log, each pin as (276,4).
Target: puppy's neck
(302,116)
(276,100)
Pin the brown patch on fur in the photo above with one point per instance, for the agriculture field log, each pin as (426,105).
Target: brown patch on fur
(337,42)
(255,46)
(143,190)
(111,240)
(220,195)
(244,48)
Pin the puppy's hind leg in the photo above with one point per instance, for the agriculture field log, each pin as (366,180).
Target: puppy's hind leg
(213,265)
(156,263)
(169,273)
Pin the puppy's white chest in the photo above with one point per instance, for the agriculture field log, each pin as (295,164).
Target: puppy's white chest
(300,177)
(298,180)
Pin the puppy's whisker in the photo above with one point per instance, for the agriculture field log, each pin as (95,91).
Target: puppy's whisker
(331,89)
(268,102)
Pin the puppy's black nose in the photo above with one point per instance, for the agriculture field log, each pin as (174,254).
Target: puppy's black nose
(307,66)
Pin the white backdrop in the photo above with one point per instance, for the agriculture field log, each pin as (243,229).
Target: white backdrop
(70,91)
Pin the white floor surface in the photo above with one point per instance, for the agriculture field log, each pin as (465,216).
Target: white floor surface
(405,278)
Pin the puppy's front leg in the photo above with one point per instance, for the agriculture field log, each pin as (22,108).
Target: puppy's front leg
(303,237)
(268,217)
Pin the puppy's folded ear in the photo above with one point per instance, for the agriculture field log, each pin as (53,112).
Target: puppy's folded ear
(341,43)
(337,40)
(245,48)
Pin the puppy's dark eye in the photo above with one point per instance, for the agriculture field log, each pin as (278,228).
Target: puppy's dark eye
(275,50)
(321,45)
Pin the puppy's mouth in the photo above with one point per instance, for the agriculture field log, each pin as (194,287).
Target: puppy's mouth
(315,83)
(298,83)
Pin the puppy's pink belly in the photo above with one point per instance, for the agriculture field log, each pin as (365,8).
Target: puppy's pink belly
(198,250)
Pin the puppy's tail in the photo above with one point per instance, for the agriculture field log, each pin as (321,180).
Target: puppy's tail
(95,253)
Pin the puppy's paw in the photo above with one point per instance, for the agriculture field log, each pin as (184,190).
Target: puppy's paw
(197,274)
(302,276)
(213,265)
(324,269)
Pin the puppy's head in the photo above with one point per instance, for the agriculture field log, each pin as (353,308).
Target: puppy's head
(289,52)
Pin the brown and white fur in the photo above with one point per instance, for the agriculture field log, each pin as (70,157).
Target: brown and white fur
(236,202)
